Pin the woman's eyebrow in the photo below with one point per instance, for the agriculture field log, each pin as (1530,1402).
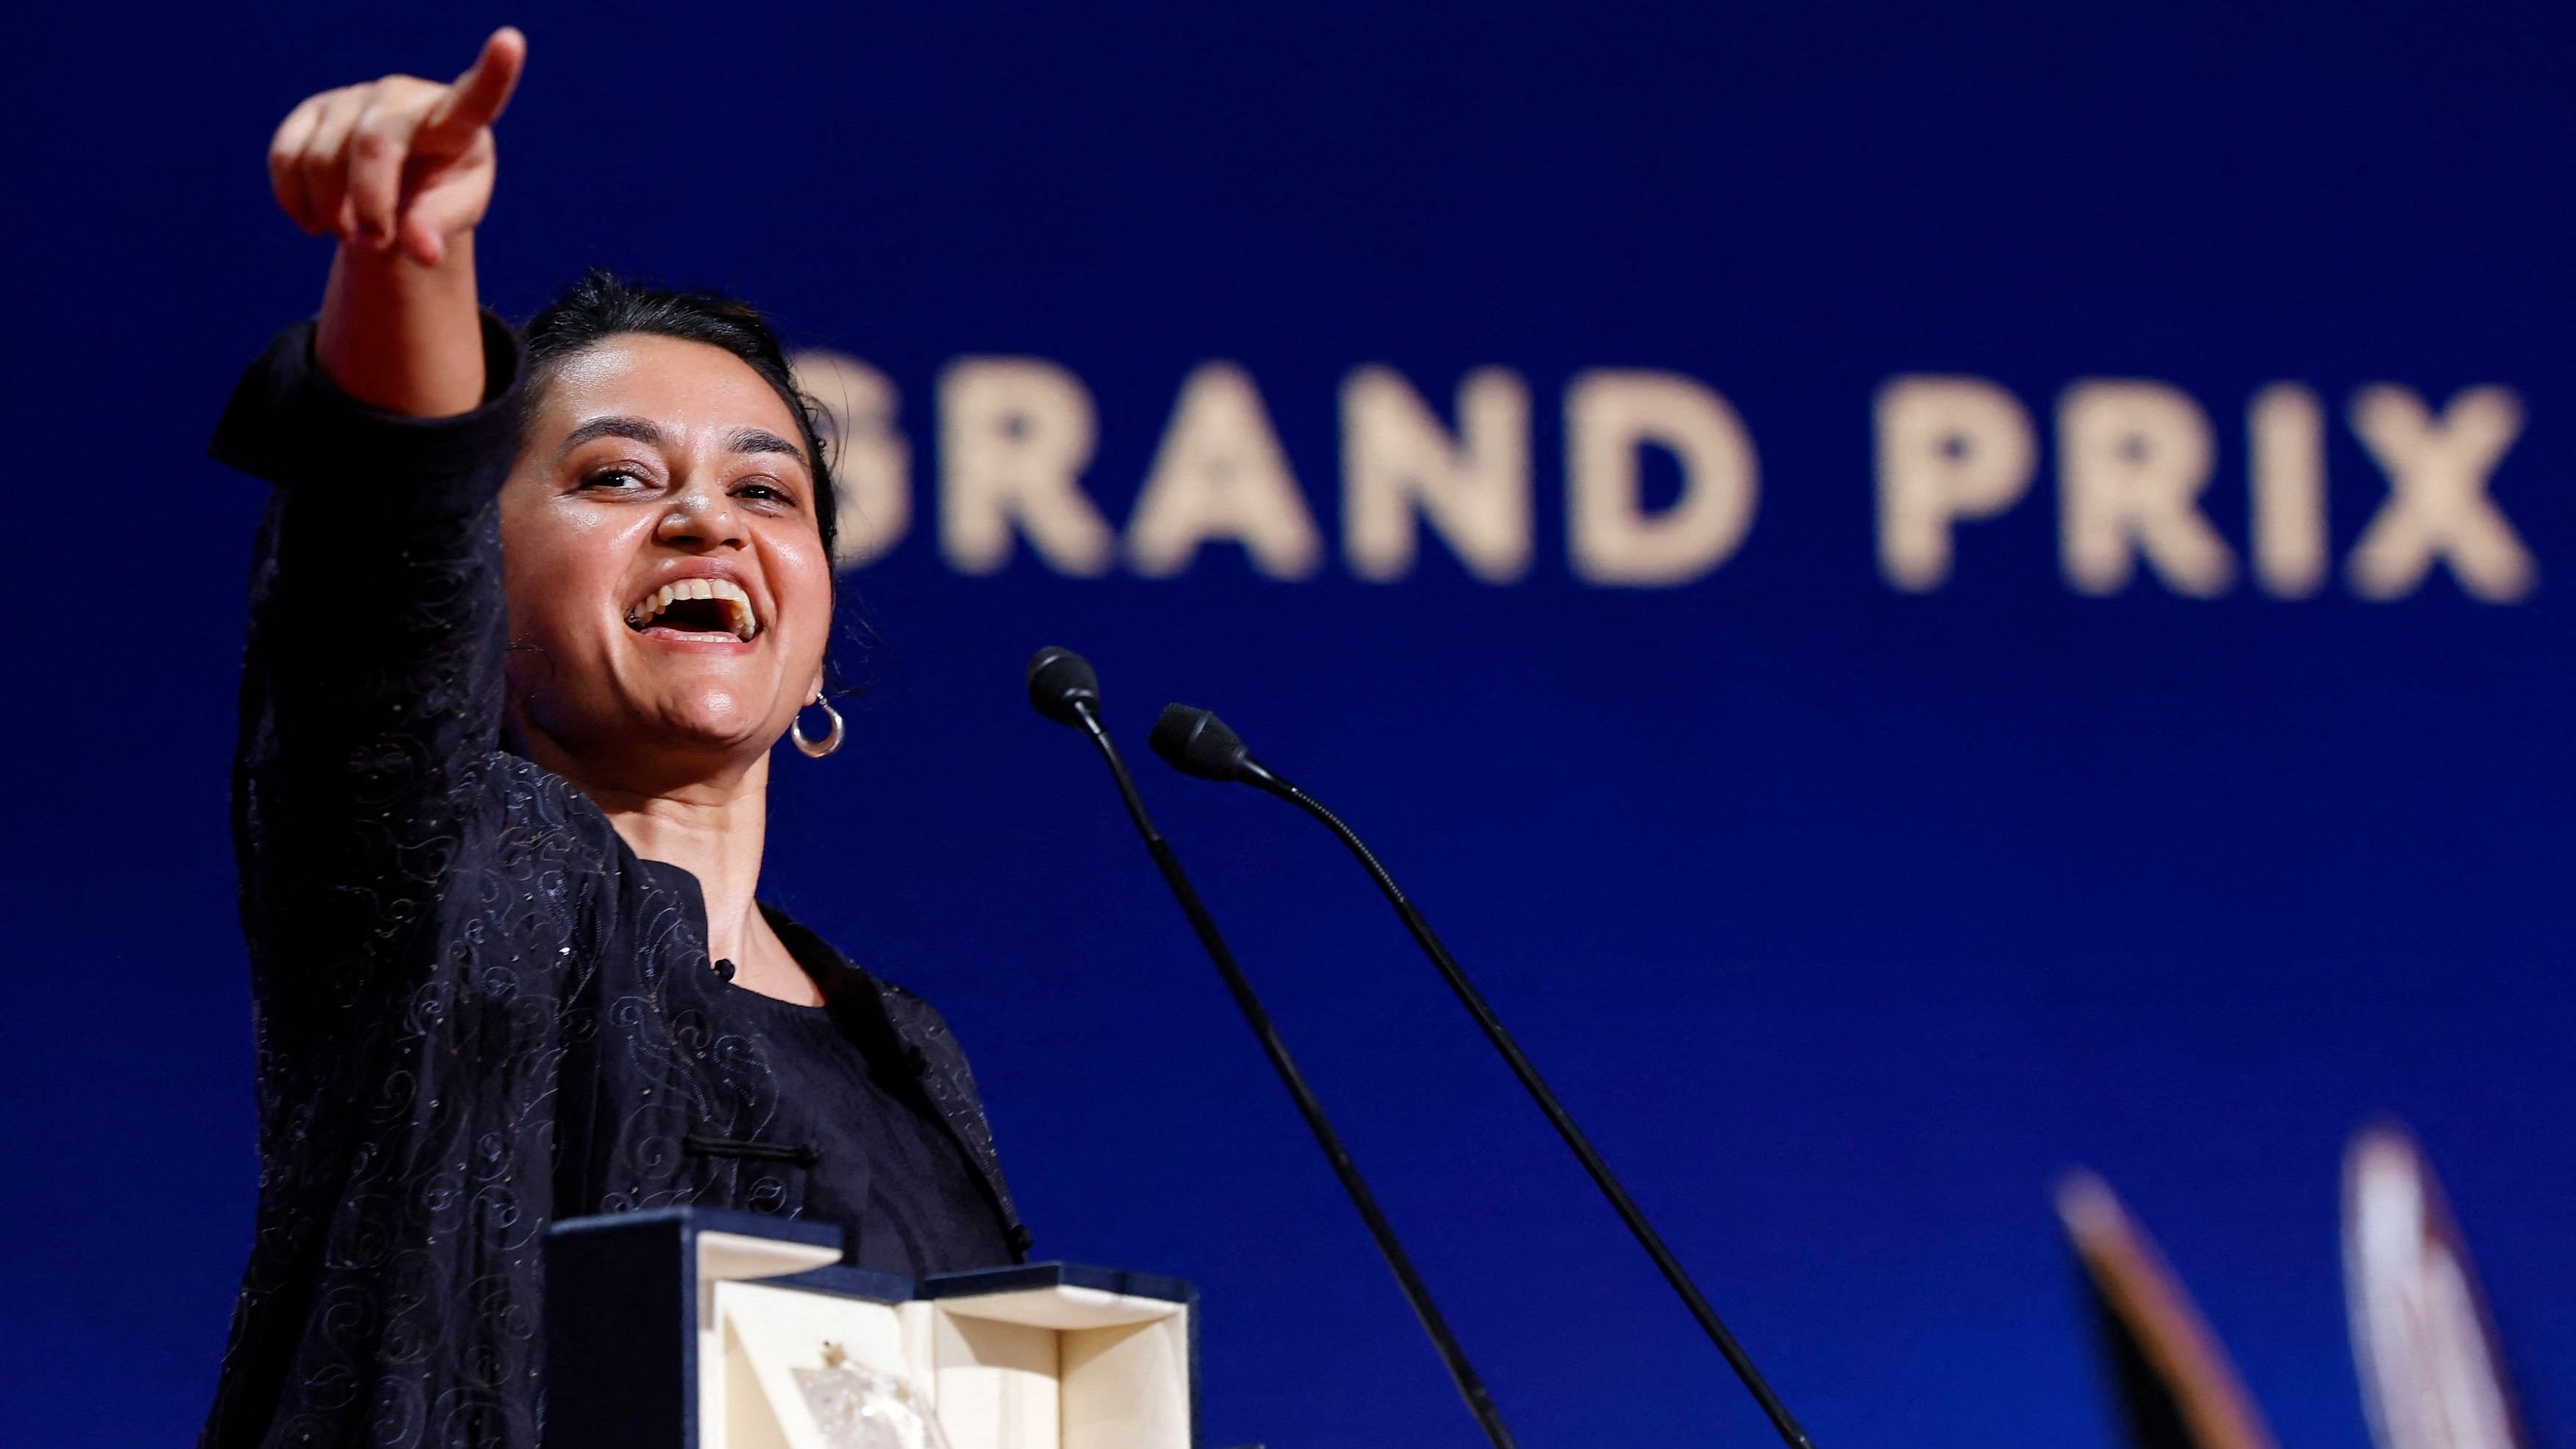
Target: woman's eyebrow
(761,440)
(641,430)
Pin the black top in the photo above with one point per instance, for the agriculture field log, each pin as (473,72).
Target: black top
(476,1009)
(883,1166)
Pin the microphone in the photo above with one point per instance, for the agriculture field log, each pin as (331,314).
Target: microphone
(1062,685)
(1064,688)
(1196,742)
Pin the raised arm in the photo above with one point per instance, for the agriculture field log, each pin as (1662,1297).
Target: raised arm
(400,170)
(372,684)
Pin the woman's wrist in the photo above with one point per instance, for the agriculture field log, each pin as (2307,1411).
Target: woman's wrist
(401,337)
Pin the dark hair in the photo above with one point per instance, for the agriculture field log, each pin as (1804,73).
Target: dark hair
(603,305)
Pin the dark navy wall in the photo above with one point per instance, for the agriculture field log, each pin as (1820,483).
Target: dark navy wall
(1847,917)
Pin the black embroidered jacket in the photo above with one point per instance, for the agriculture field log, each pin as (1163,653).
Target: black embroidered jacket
(477,1010)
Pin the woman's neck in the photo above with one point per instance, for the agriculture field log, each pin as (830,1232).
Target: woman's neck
(715,830)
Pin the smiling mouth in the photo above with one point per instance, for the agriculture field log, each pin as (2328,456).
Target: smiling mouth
(699,610)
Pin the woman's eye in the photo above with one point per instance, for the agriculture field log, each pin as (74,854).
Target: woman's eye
(765,492)
(613,480)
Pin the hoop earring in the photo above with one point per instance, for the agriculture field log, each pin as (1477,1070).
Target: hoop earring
(816,749)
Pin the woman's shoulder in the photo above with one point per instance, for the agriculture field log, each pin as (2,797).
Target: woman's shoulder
(538,812)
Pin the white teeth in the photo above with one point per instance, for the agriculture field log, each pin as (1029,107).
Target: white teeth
(737,604)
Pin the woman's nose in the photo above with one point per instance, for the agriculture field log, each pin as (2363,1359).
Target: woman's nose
(700,518)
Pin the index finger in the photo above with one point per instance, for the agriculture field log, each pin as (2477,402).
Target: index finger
(475,101)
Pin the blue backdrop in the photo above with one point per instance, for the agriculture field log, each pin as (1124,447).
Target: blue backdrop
(1846,914)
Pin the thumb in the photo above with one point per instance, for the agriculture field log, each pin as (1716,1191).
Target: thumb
(440,211)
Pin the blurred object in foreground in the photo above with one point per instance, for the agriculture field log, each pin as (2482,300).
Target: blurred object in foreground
(2177,1390)
(2432,1376)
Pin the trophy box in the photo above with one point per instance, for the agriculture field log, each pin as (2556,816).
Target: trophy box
(699,1328)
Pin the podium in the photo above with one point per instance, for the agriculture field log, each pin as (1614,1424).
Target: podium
(701,1328)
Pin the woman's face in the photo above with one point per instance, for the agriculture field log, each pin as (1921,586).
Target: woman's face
(669,594)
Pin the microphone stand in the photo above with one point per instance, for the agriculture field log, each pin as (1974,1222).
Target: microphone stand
(1470,1387)
(1197,743)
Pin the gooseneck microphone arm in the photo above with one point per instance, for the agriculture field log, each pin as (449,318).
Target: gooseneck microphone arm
(1064,689)
(1196,742)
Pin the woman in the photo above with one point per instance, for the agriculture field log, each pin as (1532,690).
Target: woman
(528,617)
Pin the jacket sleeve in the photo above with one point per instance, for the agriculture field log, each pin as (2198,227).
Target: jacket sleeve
(371,691)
